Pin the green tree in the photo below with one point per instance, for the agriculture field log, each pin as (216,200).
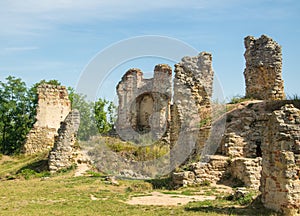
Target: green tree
(105,115)
(16,118)
(87,126)
(17,112)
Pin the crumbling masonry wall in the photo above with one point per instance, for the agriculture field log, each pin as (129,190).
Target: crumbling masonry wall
(193,84)
(65,151)
(263,69)
(144,104)
(53,107)
(238,155)
(280,182)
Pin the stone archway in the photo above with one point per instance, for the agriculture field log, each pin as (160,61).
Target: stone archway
(144,110)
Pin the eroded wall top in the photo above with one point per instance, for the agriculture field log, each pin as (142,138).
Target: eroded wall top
(263,72)
(53,106)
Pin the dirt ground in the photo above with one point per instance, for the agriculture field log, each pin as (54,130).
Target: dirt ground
(157,198)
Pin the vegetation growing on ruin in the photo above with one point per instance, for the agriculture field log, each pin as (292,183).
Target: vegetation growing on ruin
(131,151)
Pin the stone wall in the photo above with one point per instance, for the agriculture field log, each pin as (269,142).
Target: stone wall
(280,182)
(144,104)
(65,151)
(263,73)
(193,84)
(247,170)
(239,152)
(53,107)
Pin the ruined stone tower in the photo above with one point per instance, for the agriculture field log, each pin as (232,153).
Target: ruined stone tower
(263,69)
(53,107)
(144,103)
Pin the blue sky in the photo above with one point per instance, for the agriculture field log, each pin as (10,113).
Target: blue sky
(56,39)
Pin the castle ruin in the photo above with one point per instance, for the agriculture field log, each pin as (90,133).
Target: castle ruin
(144,104)
(53,107)
(260,144)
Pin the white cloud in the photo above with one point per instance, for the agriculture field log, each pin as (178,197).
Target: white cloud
(32,16)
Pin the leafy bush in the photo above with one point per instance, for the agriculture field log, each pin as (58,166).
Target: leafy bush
(205,122)
(246,200)
(29,174)
(237,99)
(205,183)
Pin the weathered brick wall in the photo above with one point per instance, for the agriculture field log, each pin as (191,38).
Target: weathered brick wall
(263,72)
(53,107)
(280,182)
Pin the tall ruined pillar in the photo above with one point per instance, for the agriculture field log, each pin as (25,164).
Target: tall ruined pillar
(193,85)
(53,107)
(64,152)
(263,69)
(280,181)
(144,104)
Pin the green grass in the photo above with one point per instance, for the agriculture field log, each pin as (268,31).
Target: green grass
(63,194)
(10,166)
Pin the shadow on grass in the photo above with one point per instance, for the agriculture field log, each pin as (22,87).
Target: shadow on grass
(38,166)
(255,208)
(161,183)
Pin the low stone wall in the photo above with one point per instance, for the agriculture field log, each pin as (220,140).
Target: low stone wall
(247,170)
(280,182)
(198,173)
